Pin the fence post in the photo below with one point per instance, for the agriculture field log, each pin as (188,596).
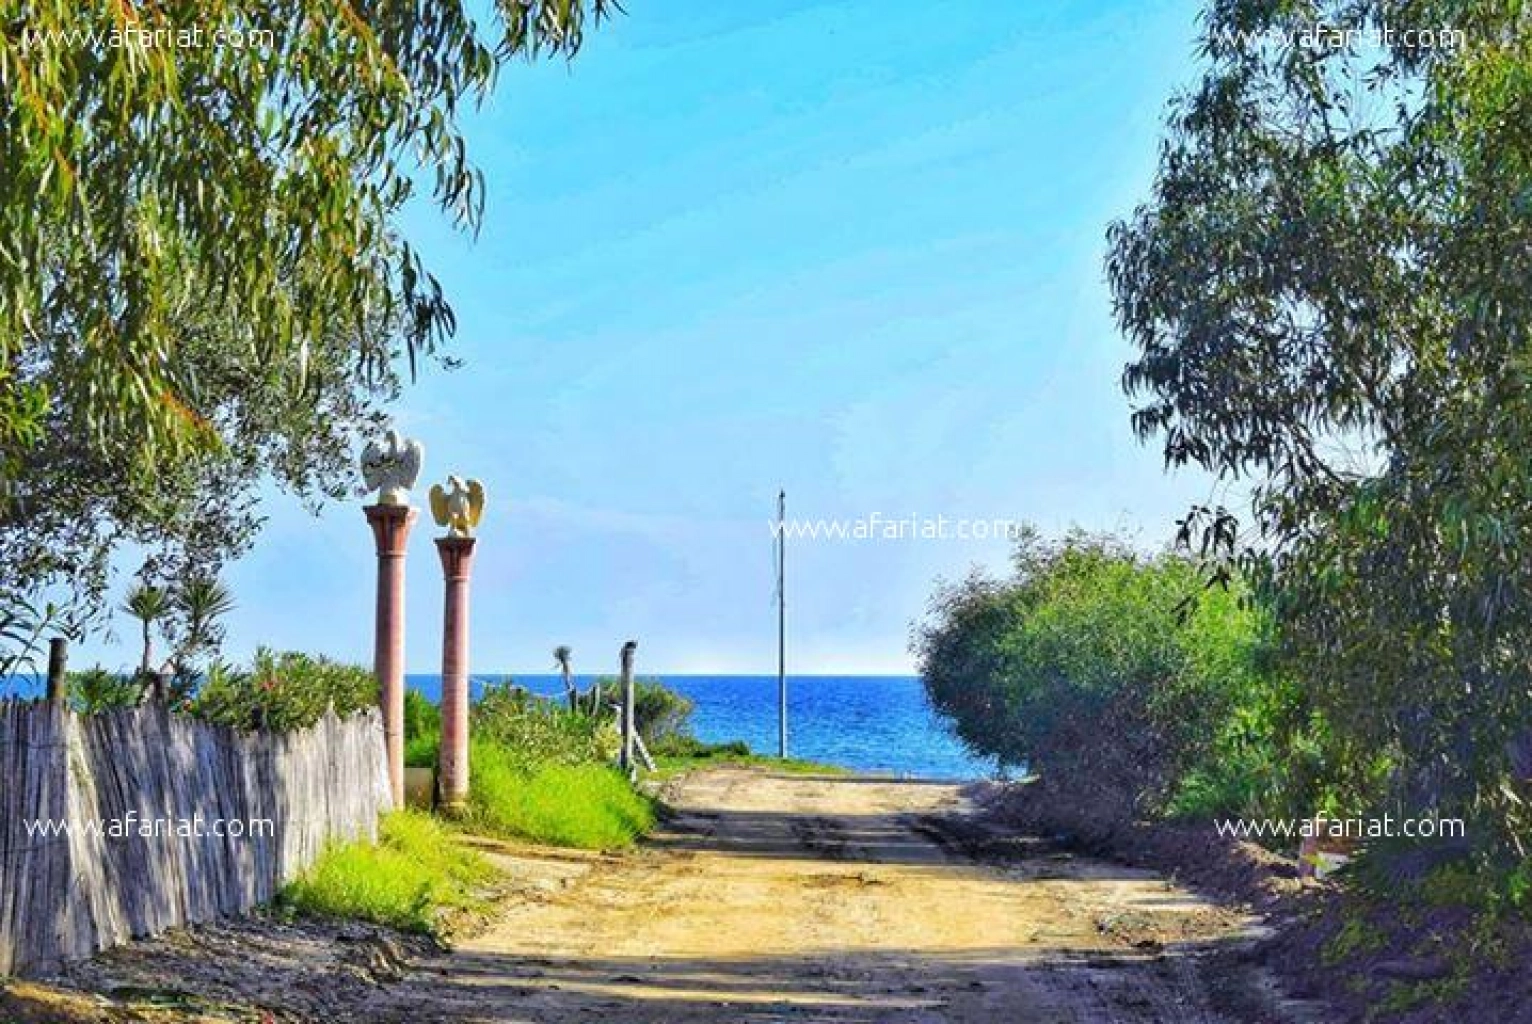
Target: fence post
(627,705)
(58,663)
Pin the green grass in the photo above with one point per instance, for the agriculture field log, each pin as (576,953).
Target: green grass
(676,755)
(671,765)
(415,875)
(590,806)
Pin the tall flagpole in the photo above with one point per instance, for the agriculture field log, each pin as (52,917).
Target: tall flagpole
(782,624)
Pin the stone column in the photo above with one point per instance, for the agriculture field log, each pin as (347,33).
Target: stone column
(457,561)
(391,529)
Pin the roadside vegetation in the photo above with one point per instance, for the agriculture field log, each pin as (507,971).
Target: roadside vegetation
(1326,294)
(538,770)
(1125,683)
(417,878)
(681,754)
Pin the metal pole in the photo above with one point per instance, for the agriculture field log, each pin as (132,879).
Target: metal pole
(782,624)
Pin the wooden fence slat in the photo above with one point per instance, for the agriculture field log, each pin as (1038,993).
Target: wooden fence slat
(69,895)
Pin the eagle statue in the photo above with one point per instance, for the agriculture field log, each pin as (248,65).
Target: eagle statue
(391,467)
(458,506)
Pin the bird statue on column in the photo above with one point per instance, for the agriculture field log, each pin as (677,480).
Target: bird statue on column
(391,467)
(458,506)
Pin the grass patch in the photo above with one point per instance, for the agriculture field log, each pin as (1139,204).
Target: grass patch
(590,806)
(416,875)
(671,765)
(679,754)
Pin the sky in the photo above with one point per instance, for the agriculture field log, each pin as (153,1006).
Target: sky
(852,250)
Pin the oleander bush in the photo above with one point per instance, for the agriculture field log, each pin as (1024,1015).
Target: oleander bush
(281,691)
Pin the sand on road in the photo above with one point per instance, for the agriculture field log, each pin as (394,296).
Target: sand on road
(765,897)
(789,898)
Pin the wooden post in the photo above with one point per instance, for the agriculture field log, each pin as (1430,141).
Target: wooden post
(627,706)
(58,662)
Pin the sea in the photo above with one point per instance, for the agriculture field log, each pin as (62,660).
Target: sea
(873,724)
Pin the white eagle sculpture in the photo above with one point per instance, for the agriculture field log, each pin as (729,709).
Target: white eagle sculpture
(391,467)
(459,506)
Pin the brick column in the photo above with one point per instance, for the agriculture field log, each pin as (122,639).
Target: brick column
(391,529)
(457,561)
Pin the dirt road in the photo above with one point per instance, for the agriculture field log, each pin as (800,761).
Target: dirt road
(767,898)
(781,898)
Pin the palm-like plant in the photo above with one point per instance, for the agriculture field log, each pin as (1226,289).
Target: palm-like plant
(202,601)
(562,655)
(148,604)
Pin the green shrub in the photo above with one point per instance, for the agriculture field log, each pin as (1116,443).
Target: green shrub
(589,805)
(94,690)
(538,731)
(690,746)
(409,880)
(1121,678)
(421,717)
(283,691)
(660,714)
(422,751)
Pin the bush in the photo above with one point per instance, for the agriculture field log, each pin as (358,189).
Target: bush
(421,717)
(659,713)
(537,731)
(283,691)
(413,877)
(1118,677)
(539,771)
(95,690)
(591,806)
(691,747)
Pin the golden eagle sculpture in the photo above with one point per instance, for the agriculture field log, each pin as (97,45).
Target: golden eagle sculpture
(391,467)
(458,506)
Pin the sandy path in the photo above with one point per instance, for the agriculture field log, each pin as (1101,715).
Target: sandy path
(767,898)
(780,898)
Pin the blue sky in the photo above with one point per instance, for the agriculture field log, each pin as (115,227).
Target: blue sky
(850,249)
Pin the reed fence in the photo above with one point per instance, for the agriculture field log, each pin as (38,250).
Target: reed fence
(92,884)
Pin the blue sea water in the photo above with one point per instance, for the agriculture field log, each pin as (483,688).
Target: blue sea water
(866,723)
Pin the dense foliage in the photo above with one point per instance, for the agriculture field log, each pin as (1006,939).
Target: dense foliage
(282,691)
(203,284)
(1114,676)
(1330,292)
(94,690)
(661,715)
(537,770)
(538,730)
(590,805)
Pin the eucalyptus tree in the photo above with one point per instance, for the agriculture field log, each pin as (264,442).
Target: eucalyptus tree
(203,282)
(1330,293)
